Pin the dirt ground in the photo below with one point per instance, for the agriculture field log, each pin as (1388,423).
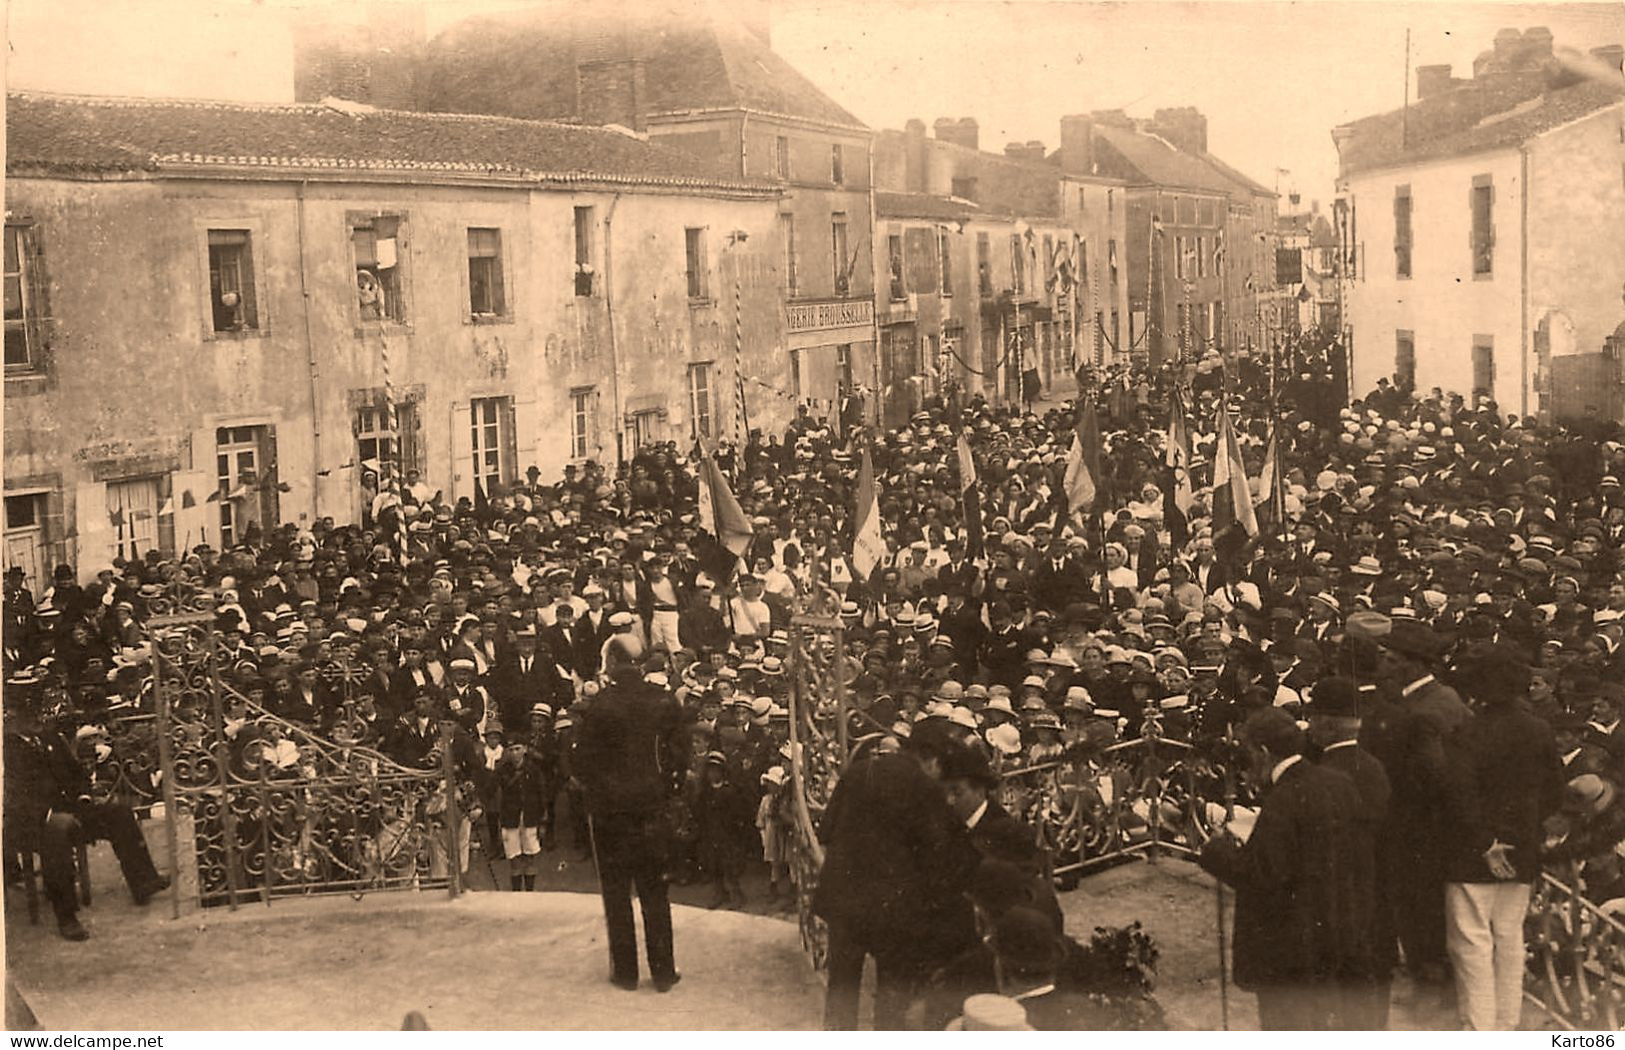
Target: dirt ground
(526,961)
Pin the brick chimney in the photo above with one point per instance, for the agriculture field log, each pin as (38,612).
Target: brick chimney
(961,132)
(1032,149)
(610,77)
(1430,80)
(969,133)
(1185,127)
(1078,144)
(915,152)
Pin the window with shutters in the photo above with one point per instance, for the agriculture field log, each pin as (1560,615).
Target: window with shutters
(231,281)
(791,280)
(840,260)
(491,439)
(375,244)
(837,164)
(694,262)
(1483,366)
(1179,258)
(945,262)
(701,411)
(1201,256)
(1482,203)
(894,267)
(583,421)
(584,270)
(245,467)
(781,156)
(390,443)
(1402,231)
(1405,360)
(487,294)
(1018,265)
(984,265)
(133,508)
(25,295)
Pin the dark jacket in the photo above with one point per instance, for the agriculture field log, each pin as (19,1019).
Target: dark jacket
(1297,894)
(516,691)
(1504,780)
(521,789)
(897,862)
(42,774)
(631,749)
(1375,875)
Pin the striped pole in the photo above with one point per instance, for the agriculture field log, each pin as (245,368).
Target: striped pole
(741,417)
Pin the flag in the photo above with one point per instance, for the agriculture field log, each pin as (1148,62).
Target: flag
(1233,518)
(482,503)
(188,501)
(1267,501)
(970,499)
(1083,478)
(720,513)
(116,518)
(1177,497)
(868,547)
(726,533)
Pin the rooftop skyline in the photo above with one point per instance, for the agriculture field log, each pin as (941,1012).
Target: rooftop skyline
(1272,78)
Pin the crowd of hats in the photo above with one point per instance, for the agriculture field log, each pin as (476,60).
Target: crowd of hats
(1064,629)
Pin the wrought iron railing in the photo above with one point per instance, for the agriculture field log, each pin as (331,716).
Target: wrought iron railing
(1576,957)
(1153,794)
(273,808)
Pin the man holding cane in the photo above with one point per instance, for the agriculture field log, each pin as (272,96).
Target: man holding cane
(631,752)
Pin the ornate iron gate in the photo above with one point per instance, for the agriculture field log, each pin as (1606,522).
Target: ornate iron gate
(818,752)
(261,807)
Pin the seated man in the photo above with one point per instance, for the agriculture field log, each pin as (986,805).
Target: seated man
(49,810)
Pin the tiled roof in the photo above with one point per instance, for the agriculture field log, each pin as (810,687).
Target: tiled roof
(922,206)
(67,134)
(1140,158)
(1478,116)
(1237,177)
(523,64)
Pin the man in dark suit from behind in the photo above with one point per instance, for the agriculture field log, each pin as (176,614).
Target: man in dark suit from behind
(1334,726)
(968,783)
(1424,713)
(1297,923)
(631,755)
(1504,779)
(896,865)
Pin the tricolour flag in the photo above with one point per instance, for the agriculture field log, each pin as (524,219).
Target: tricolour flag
(1083,477)
(1177,495)
(868,546)
(1266,475)
(1232,499)
(720,513)
(970,499)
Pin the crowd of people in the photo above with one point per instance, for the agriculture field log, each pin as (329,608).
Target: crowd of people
(1410,536)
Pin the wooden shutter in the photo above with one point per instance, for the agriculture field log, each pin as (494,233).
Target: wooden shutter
(510,441)
(38,292)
